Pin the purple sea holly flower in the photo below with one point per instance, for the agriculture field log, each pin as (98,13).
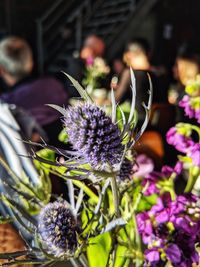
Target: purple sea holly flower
(58,228)
(126,170)
(93,135)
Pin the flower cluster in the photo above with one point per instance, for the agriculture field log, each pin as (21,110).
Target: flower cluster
(93,135)
(126,188)
(170,229)
(180,137)
(155,181)
(191,101)
(191,107)
(58,228)
(95,68)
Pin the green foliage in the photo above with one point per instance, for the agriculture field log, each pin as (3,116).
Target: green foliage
(146,202)
(62,137)
(98,250)
(104,205)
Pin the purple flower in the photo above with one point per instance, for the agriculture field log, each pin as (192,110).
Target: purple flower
(144,226)
(160,212)
(190,111)
(186,244)
(177,207)
(150,182)
(57,226)
(144,166)
(197,115)
(181,142)
(152,255)
(186,224)
(185,103)
(194,153)
(167,170)
(93,135)
(89,61)
(173,253)
(171,228)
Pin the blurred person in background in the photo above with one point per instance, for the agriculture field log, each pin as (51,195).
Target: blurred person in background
(16,65)
(76,64)
(92,54)
(93,47)
(185,70)
(137,56)
(118,67)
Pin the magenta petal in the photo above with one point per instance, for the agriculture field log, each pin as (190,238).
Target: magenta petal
(152,255)
(162,216)
(173,253)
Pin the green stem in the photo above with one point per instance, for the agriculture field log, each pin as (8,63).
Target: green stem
(87,190)
(114,255)
(191,181)
(74,262)
(115,195)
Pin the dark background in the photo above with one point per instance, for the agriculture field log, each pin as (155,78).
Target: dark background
(167,25)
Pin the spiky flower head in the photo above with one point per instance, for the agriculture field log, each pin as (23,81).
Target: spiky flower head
(126,170)
(58,228)
(93,135)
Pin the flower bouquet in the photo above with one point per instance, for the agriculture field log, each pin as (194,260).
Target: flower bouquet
(107,218)
(96,70)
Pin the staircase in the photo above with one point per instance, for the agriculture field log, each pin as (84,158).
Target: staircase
(62,29)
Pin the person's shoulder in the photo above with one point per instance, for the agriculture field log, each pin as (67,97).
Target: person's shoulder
(47,82)
(126,74)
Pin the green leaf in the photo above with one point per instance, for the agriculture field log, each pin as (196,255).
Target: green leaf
(185,159)
(121,260)
(146,202)
(83,93)
(63,137)
(98,250)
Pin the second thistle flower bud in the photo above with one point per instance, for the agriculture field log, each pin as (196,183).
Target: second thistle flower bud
(58,228)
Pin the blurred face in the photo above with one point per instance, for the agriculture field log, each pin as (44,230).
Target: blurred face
(96,44)
(118,66)
(137,60)
(86,53)
(185,70)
